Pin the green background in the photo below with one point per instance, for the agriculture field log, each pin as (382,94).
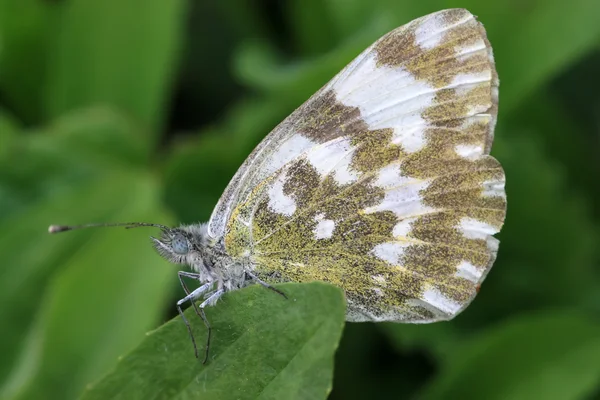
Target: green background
(124,110)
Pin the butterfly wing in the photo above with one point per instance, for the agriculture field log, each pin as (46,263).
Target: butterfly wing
(382,183)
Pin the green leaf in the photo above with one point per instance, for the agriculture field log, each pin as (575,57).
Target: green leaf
(118,52)
(263,346)
(544,356)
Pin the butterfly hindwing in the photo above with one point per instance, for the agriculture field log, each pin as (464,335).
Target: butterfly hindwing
(382,183)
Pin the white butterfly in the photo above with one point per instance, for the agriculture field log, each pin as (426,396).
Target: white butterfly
(381,184)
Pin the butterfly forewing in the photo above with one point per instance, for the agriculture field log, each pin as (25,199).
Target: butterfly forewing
(381,183)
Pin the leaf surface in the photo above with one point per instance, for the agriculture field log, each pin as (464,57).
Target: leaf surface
(263,347)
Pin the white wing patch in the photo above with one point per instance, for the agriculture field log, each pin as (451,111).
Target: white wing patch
(342,173)
(403,228)
(468,271)
(379,279)
(390,176)
(279,202)
(335,153)
(493,189)
(435,298)
(469,151)
(288,150)
(324,228)
(390,252)
(387,98)
(411,139)
(430,33)
(474,229)
(462,82)
(403,200)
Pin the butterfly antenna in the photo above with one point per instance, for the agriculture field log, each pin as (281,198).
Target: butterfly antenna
(126,225)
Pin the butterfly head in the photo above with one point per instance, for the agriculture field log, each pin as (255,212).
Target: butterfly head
(187,244)
(175,245)
(182,245)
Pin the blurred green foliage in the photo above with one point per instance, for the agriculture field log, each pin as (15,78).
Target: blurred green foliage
(143,110)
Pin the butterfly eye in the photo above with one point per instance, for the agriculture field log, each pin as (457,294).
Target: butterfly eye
(179,244)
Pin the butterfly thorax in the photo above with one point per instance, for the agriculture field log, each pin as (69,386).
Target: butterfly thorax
(192,245)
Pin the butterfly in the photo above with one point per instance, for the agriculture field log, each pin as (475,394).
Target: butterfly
(381,184)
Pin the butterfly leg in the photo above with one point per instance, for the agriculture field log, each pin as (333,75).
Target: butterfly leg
(210,300)
(193,296)
(265,284)
(180,275)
